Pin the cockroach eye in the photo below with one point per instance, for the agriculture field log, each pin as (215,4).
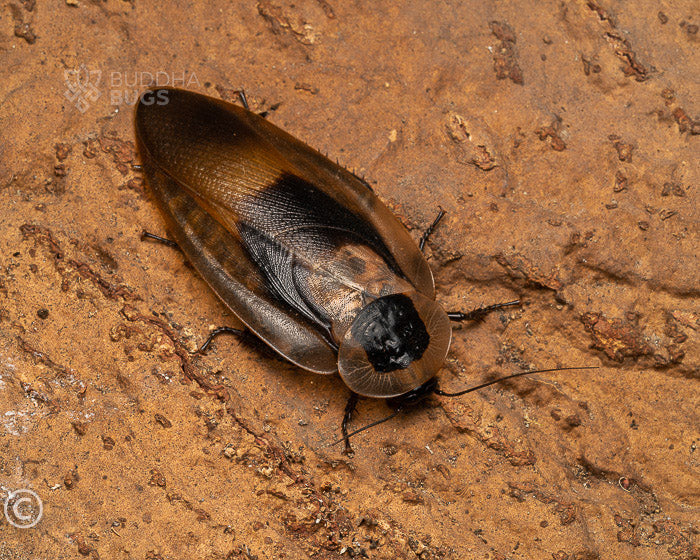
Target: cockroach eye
(395,344)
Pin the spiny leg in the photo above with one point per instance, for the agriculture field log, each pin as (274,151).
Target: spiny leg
(481,312)
(349,410)
(431,228)
(216,332)
(147,235)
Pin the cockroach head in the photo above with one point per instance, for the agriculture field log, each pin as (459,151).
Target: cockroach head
(395,345)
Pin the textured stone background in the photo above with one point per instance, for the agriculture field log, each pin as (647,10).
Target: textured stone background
(560,138)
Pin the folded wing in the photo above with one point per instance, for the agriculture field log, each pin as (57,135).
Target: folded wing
(254,209)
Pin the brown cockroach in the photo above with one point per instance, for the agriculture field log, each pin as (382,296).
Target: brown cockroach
(300,249)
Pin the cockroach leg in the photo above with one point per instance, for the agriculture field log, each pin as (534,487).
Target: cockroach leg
(242,97)
(349,410)
(273,107)
(159,239)
(244,101)
(480,313)
(431,229)
(216,332)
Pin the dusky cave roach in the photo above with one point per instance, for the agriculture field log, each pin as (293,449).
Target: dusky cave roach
(300,249)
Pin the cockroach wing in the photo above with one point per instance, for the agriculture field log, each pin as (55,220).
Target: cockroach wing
(219,257)
(261,215)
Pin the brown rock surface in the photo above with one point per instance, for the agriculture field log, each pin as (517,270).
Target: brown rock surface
(561,138)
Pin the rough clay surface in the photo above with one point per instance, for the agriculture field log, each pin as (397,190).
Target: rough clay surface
(561,139)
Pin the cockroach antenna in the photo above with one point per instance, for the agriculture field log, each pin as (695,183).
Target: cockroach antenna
(520,374)
(442,393)
(368,426)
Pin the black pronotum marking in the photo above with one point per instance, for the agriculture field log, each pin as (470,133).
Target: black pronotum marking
(391,333)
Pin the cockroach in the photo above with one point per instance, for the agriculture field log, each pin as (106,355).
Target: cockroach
(301,250)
